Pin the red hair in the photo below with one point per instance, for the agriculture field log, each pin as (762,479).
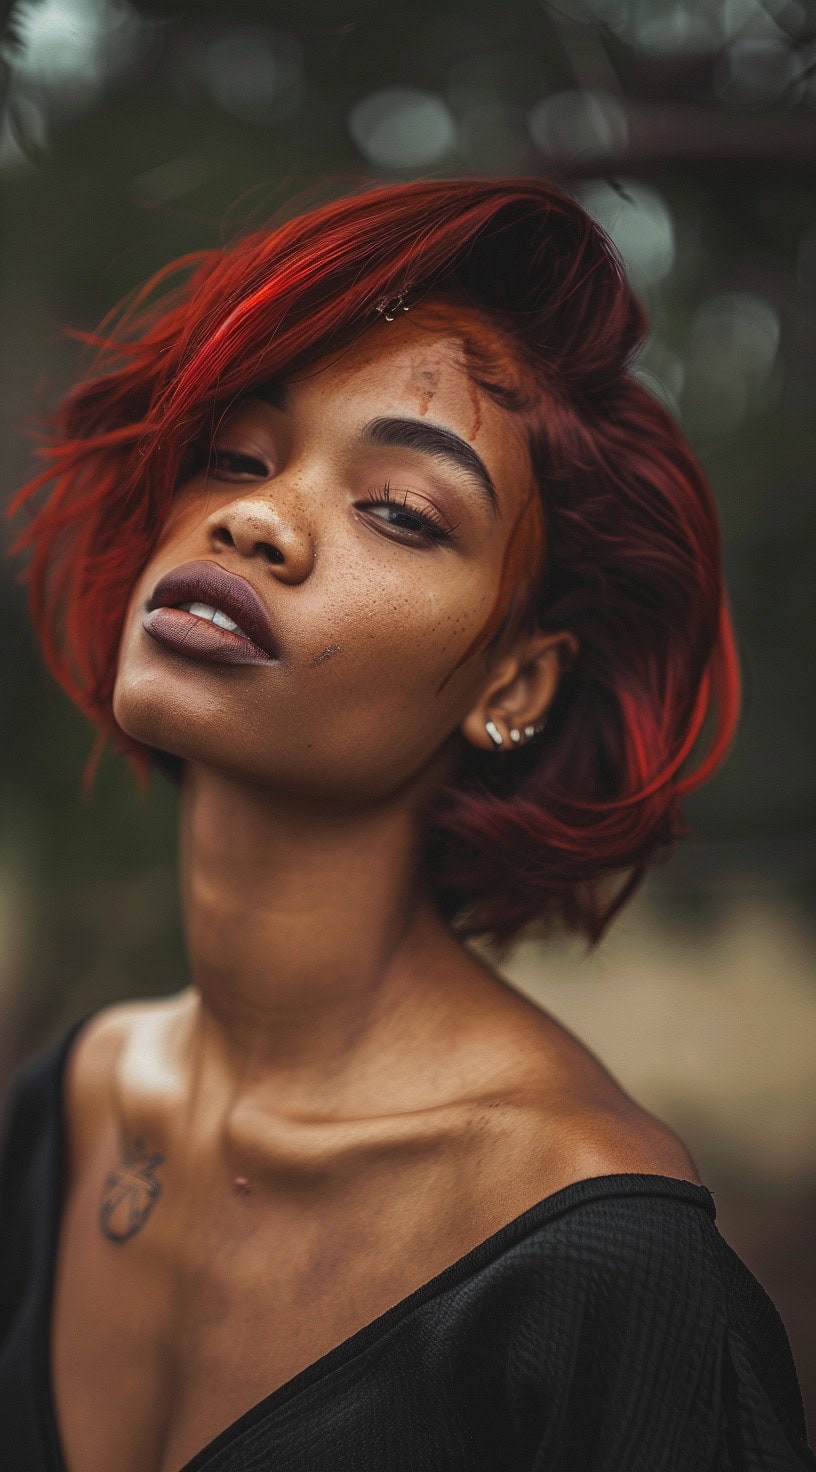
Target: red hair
(633,555)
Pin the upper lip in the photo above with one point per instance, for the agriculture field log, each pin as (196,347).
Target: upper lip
(208,582)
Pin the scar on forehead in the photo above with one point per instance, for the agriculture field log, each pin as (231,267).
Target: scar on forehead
(424,382)
(327,653)
(476,408)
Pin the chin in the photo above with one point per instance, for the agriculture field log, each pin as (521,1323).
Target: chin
(147,708)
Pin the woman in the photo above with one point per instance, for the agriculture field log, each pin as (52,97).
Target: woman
(368,536)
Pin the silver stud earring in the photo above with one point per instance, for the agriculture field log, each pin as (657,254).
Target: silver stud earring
(531,731)
(515,735)
(494,733)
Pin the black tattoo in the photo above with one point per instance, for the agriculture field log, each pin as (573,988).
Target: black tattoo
(130,1193)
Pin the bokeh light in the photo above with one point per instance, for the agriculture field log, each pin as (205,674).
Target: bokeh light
(249,71)
(402,128)
(639,222)
(569,124)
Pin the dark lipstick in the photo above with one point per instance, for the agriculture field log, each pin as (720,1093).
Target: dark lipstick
(207,582)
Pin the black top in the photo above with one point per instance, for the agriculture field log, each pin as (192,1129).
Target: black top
(609,1328)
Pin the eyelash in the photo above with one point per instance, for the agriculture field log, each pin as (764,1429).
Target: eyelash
(432,526)
(211,454)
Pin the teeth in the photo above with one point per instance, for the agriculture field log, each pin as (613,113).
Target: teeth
(214,615)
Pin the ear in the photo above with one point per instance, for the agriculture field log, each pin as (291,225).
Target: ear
(520,690)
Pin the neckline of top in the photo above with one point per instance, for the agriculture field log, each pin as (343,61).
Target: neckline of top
(620,1183)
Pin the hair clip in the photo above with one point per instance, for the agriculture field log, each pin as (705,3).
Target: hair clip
(389,306)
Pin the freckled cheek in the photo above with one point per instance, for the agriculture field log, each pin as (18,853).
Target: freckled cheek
(406,636)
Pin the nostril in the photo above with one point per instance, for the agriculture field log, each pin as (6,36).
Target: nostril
(273,554)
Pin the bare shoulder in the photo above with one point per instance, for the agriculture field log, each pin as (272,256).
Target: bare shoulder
(612,1142)
(98,1053)
(607,1131)
(554,1141)
(570,1112)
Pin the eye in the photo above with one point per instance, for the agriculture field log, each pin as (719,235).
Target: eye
(396,512)
(235,465)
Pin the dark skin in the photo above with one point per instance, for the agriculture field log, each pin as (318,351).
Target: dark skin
(383,1098)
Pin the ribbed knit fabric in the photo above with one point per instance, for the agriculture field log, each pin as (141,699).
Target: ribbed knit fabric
(610,1328)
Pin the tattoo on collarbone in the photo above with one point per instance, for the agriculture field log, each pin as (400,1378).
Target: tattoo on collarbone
(130,1192)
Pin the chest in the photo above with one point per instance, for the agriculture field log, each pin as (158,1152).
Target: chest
(180,1304)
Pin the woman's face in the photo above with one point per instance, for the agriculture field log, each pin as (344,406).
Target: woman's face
(368,501)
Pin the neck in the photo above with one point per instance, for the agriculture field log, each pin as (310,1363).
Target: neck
(312,946)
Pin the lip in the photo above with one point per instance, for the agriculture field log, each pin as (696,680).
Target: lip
(207,582)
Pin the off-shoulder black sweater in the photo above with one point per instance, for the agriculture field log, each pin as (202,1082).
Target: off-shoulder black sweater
(609,1328)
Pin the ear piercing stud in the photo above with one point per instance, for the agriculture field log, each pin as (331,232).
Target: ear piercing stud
(515,735)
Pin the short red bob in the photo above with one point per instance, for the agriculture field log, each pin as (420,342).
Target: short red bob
(539,838)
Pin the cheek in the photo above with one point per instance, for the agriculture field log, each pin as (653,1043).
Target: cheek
(387,664)
(414,626)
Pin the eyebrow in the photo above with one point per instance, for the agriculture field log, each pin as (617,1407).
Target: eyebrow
(433,439)
(410,434)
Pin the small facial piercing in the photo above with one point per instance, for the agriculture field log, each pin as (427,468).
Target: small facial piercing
(389,306)
(529,731)
(494,733)
(514,734)
(241,1185)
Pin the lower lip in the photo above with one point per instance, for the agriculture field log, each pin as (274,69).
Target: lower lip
(197,638)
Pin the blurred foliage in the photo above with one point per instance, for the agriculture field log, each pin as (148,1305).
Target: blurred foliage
(134,131)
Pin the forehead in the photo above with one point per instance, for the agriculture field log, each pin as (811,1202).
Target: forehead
(430,348)
(426,364)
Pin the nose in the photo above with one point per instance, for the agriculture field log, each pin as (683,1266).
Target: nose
(257,528)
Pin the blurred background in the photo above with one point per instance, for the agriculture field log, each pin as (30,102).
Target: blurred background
(133,131)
